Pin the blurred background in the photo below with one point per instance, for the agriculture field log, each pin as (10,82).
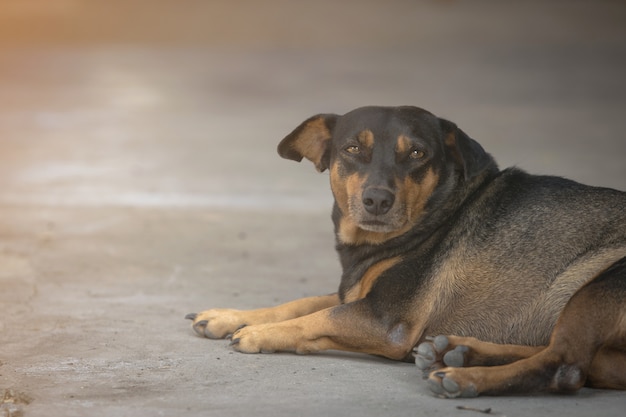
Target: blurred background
(152,102)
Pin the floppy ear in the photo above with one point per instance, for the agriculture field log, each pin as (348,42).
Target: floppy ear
(465,151)
(310,140)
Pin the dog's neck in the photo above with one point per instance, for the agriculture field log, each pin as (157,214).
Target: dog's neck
(449,198)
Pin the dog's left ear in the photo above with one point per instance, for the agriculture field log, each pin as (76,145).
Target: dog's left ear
(465,151)
(310,140)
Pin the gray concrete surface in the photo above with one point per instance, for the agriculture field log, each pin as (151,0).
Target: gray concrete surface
(139,182)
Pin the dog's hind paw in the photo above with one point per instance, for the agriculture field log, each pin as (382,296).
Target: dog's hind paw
(427,354)
(438,352)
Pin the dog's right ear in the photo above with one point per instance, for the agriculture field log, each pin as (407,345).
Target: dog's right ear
(310,140)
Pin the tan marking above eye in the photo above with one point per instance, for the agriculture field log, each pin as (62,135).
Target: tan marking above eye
(366,139)
(353,149)
(403,144)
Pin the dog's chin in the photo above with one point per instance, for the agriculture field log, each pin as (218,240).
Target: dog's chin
(377,226)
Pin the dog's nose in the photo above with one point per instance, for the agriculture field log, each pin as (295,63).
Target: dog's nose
(377,200)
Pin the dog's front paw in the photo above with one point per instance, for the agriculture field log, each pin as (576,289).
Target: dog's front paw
(438,352)
(217,323)
(452,383)
(253,339)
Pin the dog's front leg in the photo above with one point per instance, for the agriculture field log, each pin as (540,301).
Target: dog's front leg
(219,323)
(348,327)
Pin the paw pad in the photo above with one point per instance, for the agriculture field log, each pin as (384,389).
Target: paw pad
(425,356)
(438,352)
(456,357)
(429,353)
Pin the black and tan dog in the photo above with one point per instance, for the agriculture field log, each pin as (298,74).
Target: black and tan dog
(528,273)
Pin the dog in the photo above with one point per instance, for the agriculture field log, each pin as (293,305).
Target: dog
(521,278)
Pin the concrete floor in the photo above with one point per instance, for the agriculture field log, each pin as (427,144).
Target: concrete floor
(139,182)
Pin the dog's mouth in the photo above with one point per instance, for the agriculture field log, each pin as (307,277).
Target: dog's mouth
(376,226)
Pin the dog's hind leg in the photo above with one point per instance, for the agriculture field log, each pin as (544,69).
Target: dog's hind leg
(459,351)
(608,369)
(587,346)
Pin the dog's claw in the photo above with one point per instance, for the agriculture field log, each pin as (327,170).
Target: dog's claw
(191,316)
(200,326)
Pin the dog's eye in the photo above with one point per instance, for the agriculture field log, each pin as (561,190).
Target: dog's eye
(353,149)
(417,154)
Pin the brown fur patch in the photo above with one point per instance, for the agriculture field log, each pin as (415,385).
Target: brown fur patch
(366,139)
(311,143)
(608,368)
(450,139)
(403,145)
(415,196)
(345,187)
(364,286)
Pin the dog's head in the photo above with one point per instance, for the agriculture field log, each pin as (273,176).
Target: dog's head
(386,164)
